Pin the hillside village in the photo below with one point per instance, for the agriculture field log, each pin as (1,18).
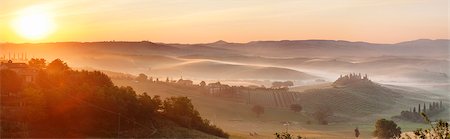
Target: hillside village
(342,81)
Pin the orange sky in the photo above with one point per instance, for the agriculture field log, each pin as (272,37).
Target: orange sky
(199,21)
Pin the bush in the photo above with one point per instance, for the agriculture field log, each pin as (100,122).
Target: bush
(440,130)
(386,129)
(286,135)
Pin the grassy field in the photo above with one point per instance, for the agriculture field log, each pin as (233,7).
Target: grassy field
(237,119)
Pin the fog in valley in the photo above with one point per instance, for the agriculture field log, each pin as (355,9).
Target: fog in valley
(340,85)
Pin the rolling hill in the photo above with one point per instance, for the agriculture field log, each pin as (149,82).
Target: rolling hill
(336,48)
(218,70)
(236,118)
(360,98)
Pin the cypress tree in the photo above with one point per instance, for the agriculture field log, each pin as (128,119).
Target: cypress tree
(419,108)
(424,107)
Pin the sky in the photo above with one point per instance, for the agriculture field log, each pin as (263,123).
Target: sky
(202,21)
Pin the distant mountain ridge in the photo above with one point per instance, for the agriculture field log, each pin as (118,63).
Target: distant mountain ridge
(289,48)
(283,48)
(423,59)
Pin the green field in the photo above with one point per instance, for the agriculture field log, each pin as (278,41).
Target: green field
(237,119)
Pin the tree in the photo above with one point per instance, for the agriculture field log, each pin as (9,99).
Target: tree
(37,63)
(386,129)
(57,66)
(148,105)
(181,110)
(142,77)
(258,110)
(203,84)
(75,104)
(286,135)
(296,107)
(357,132)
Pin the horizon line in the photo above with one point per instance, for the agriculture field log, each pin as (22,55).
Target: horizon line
(220,40)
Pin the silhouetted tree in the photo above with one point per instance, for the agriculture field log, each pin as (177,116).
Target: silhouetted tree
(181,110)
(419,109)
(149,106)
(57,66)
(386,129)
(37,63)
(65,103)
(286,135)
(357,132)
(142,77)
(202,83)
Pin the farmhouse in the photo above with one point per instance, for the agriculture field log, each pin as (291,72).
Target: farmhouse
(27,73)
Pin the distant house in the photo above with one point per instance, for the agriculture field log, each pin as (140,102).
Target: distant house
(185,82)
(12,102)
(27,73)
(217,88)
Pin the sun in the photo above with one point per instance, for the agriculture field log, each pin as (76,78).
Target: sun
(34,23)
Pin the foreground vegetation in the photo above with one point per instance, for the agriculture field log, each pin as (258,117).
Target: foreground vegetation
(66,103)
(387,129)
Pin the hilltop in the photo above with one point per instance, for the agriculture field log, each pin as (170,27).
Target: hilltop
(354,96)
(209,70)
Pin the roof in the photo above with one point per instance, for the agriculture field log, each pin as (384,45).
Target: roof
(14,65)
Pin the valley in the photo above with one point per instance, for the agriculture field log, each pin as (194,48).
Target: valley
(398,78)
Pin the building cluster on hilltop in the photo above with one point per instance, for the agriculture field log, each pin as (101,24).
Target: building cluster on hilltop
(350,78)
(24,71)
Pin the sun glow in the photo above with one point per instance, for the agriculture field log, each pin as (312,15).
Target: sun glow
(34,23)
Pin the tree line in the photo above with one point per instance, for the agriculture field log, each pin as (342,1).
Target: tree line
(414,115)
(67,103)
